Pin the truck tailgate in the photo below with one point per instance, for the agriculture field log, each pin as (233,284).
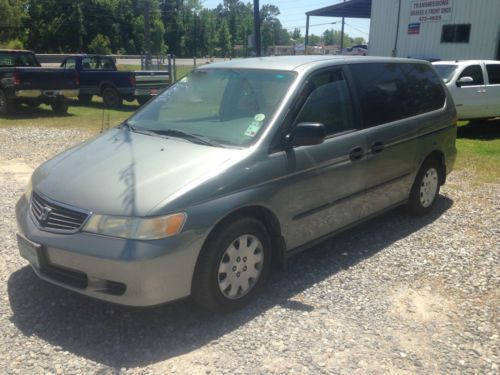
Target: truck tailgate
(46,79)
(152,79)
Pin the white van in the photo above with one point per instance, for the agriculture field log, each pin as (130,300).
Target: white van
(474,86)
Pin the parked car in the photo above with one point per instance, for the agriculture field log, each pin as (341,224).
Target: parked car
(474,86)
(98,75)
(357,49)
(236,165)
(22,80)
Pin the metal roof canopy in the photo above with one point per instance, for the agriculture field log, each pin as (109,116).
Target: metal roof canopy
(347,9)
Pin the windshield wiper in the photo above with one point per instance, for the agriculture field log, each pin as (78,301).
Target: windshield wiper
(195,138)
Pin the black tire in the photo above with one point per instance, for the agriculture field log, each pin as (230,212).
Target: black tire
(6,105)
(207,276)
(423,193)
(143,99)
(61,106)
(111,98)
(85,99)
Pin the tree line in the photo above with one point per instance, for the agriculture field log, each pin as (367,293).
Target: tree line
(181,27)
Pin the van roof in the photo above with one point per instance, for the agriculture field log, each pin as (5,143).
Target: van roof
(298,62)
(465,62)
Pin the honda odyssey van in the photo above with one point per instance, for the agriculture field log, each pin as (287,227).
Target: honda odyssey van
(235,166)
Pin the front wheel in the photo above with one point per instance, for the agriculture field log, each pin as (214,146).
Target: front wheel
(61,106)
(232,266)
(425,188)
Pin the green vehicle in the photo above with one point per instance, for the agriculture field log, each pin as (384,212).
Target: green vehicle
(237,165)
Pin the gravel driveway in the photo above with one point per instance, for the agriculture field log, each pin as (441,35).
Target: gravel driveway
(394,295)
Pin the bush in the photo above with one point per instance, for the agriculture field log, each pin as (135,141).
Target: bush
(100,45)
(12,44)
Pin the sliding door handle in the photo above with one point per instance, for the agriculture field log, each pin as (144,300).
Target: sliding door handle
(377,147)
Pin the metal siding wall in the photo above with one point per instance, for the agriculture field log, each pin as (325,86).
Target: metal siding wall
(483,15)
(383,27)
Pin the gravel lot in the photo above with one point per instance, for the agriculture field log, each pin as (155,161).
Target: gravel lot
(394,295)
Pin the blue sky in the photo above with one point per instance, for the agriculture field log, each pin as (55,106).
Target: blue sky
(293,15)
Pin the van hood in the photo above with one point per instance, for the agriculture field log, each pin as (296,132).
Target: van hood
(127,173)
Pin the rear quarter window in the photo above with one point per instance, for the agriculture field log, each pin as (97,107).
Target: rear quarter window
(425,91)
(493,73)
(390,91)
(382,92)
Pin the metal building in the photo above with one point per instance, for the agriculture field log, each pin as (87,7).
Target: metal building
(426,29)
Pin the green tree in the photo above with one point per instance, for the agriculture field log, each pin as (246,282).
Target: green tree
(225,40)
(100,45)
(12,16)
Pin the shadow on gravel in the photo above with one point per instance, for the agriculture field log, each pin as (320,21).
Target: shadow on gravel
(26,113)
(100,105)
(117,336)
(485,130)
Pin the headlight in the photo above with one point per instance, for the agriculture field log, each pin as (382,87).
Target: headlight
(29,189)
(136,228)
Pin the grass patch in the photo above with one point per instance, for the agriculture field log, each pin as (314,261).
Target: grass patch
(92,117)
(478,147)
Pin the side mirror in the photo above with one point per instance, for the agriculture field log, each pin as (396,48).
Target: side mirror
(307,134)
(464,80)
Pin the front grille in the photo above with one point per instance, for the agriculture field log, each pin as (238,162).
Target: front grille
(55,217)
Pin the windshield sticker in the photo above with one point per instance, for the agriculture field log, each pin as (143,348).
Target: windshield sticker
(253,128)
(259,117)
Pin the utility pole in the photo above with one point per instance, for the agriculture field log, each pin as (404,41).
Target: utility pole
(256,27)
(147,32)
(342,35)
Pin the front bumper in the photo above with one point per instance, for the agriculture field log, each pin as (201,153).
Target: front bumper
(127,272)
(34,94)
(148,91)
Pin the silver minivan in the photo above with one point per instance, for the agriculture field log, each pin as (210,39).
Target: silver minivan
(237,165)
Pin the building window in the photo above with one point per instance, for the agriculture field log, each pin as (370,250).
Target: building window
(455,34)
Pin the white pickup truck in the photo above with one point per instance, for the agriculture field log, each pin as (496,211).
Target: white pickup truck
(474,86)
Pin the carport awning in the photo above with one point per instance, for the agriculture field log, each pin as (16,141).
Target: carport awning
(348,9)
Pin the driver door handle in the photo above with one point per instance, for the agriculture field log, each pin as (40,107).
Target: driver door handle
(356,153)
(377,147)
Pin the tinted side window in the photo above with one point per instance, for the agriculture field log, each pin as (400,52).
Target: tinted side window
(70,63)
(382,92)
(476,73)
(493,73)
(425,92)
(89,63)
(328,102)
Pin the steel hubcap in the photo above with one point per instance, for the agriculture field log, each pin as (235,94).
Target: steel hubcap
(240,266)
(428,187)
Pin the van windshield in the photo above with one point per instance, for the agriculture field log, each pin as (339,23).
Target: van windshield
(227,106)
(446,71)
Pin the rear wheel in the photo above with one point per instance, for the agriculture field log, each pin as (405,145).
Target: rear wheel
(232,266)
(111,98)
(61,106)
(85,98)
(425,188)
(6,105)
